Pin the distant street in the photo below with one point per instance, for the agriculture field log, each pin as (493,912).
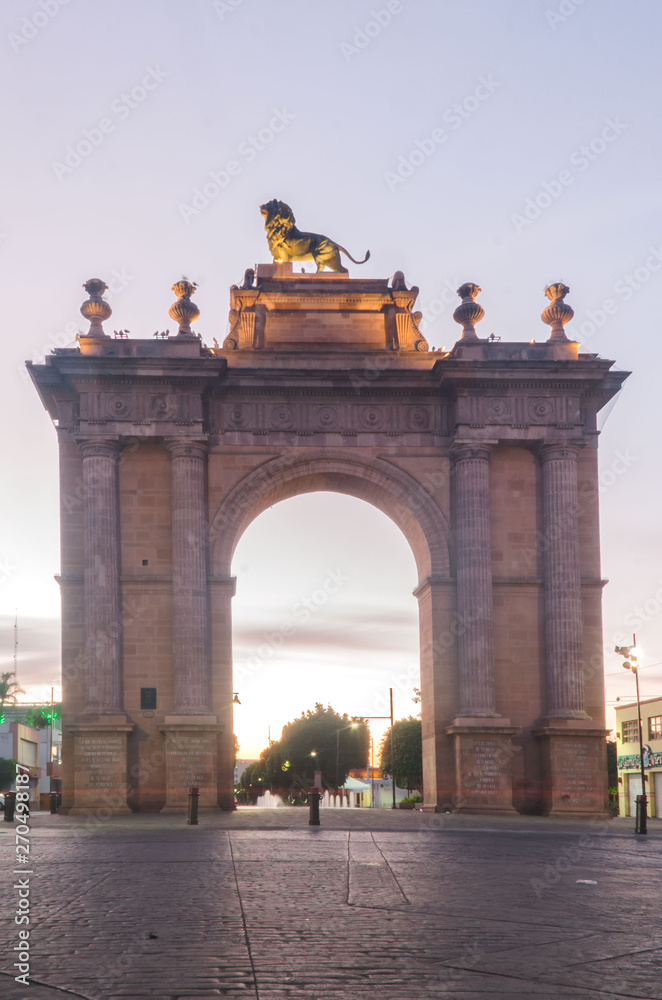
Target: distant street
(374,903)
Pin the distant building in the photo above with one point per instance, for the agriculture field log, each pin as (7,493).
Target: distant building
(240,767)
(21,743)
(38,749)
(371,789)
(629,765)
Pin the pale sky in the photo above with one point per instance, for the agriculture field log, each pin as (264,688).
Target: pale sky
(508,142)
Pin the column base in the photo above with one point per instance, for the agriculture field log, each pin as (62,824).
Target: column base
(574,768)
(191,751)
(483,771)
(100,785)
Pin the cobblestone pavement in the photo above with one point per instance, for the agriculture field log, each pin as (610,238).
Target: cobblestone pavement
(371,904)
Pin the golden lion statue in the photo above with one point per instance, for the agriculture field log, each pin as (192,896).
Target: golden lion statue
(286,242)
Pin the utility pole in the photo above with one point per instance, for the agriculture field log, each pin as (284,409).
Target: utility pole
(16,648)
(390,691)
(393,806)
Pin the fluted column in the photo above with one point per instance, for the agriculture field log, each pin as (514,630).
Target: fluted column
(101,577)
(563,606)
(474,581)
(192,685)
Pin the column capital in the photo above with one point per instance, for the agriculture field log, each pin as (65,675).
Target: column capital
(462,451)
(187,447)
(99,447)
(567,451)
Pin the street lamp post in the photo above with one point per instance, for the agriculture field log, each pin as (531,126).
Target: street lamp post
(372,773)
(353,725)
(390,691)
(631,663)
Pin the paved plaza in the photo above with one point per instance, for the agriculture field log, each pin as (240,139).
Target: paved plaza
(373,903)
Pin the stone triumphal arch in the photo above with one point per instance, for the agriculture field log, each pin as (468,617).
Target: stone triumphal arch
(485,456)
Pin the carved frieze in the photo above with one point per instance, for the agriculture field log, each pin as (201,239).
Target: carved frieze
(282,417)
(326,418)
(238,416)
(372,418)
(119,405)
(163,406)
(417,418)
(542,410)
(498,410)
(135,407)
(518,411)
(346,417)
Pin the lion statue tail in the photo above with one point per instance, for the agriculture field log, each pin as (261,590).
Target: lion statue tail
(354,261)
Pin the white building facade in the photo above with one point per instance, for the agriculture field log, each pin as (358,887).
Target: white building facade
(629,762)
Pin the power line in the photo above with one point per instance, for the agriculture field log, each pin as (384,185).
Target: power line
(643,666)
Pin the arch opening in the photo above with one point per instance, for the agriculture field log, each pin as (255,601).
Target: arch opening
(323,612)
(398,495)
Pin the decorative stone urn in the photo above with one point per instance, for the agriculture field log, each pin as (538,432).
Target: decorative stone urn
(184,311)
(96,309)
(469,312)
(558,312)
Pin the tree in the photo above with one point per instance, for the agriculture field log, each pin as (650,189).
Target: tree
(253,779)
(407,768)
(39,716)
(310,743)
(612,761)
(9,689)
(7,773)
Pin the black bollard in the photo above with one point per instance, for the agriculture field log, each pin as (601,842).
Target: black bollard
(192,807)
(10,806)
(314,799)
(55,805)
(640,825)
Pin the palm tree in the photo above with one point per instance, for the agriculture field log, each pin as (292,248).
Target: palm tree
(9,689)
